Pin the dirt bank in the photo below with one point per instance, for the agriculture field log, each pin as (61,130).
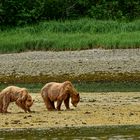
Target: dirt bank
(86,65)
(94,109)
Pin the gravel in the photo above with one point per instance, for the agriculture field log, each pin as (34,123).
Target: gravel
(72,64)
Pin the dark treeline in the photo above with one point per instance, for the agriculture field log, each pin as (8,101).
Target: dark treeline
(20,12)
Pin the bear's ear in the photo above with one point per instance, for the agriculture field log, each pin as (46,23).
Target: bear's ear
(67,85)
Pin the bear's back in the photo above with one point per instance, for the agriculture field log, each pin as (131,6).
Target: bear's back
(52,90)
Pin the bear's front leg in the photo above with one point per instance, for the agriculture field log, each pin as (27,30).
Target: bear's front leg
(59,102)
(66,102)
(20,103)
(29,110)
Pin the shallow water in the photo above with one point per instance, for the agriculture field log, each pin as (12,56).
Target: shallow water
(86,133)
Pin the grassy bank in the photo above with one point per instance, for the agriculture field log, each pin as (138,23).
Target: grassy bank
(89,87)
(71,35)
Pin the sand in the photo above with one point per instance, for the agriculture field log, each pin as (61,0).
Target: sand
(94,109)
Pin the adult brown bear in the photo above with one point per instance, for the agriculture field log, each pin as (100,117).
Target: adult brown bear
(15,94)
(59,92)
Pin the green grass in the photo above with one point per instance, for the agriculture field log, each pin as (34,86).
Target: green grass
(71,35)
(35,87)
(108,87)
(89,87)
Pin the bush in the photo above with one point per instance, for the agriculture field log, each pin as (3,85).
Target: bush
(18,12)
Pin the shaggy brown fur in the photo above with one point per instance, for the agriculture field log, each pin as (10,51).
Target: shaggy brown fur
(15,94)
(53,91)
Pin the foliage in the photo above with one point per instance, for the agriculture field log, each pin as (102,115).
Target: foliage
(19,12)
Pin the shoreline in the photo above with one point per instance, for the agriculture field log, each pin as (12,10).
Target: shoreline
(99,126)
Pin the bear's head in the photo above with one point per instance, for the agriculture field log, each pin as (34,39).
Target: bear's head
(69,88)
(75,98)
(29,101)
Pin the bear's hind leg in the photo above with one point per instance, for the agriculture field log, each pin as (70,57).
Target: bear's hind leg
(49,104)
(6,102)
(1,106)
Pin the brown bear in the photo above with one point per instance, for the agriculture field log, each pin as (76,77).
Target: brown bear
(53,91)
(15,94)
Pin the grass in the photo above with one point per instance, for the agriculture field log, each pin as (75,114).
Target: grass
(31,87)
(89,87)
(108,87)
(71,35)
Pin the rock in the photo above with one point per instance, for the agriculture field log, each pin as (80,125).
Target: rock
(15,122)
(84,123)
(131,113)
(87,112)
(6,123)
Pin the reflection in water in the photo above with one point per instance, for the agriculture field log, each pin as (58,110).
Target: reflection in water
(86,133)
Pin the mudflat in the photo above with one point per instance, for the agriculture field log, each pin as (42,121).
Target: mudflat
(94,109)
